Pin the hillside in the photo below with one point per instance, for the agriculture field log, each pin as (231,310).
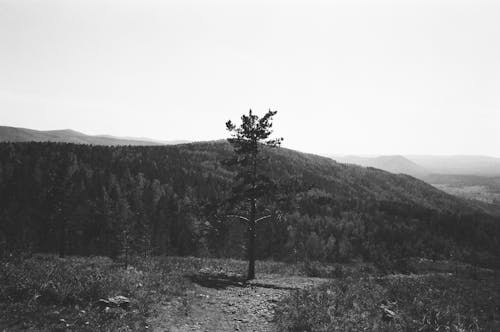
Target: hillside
(13,134)
(469,177)
(394,164)
(80,199)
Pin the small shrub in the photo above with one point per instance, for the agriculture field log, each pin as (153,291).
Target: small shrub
(314,269)
(339,271)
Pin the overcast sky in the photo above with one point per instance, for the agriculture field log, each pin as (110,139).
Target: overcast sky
(346,77)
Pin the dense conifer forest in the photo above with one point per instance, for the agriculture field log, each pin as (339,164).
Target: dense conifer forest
(95,200)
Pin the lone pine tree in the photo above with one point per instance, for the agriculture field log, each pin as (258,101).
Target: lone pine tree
(248,141)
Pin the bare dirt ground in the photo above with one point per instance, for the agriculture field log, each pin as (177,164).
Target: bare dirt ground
(220,308)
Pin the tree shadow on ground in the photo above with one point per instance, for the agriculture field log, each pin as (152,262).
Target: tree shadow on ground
(218,280)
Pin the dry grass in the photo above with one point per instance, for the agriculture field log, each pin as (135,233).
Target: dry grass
(48,293)
(433,302)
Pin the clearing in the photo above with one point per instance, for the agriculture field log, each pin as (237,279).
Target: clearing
(230,307)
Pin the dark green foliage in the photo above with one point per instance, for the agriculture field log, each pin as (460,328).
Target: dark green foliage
(85,200)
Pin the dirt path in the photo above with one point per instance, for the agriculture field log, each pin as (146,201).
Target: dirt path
(231,308)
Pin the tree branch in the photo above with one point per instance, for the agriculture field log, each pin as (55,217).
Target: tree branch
(236,216)
(263,218)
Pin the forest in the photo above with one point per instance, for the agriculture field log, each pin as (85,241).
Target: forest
(174,200)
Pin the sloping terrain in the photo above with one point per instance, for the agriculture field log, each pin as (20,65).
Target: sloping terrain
(393,164)
(468,177)
(79,199)
(371,184)
(12,134)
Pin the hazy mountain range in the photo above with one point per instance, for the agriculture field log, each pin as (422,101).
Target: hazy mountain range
(394,164)
(13,134)
(421,166)
(470,177)
(470,165)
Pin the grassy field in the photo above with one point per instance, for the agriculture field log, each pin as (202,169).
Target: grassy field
(48,293)
(425,302)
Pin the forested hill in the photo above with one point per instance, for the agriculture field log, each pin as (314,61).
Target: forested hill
(80,199)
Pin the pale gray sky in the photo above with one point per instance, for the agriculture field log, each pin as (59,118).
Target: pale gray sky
(361,77)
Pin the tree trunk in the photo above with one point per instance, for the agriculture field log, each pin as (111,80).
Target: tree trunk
(62,237)
(251,242)
(125,249)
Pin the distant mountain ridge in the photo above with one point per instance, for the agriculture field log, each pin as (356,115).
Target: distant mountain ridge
(394,164)
(458,164)
(14,134)
(421,166)
(470,177)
